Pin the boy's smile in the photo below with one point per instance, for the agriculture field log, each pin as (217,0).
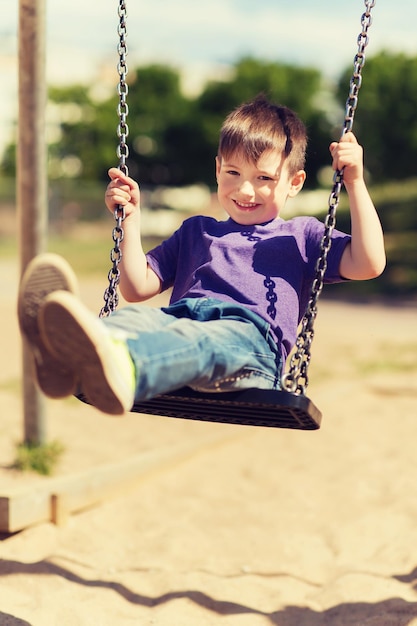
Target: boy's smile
(254,193)
(249,206)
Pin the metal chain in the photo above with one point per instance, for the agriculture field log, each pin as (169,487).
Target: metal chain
(111,296)
(296,380)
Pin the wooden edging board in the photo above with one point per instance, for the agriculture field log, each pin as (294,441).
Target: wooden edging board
(54,499)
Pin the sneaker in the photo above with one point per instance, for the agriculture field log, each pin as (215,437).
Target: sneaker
(81,341)
(44,274)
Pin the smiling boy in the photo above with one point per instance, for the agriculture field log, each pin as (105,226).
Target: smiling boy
(239,287)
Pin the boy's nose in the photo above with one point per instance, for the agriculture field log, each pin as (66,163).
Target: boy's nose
(246,189)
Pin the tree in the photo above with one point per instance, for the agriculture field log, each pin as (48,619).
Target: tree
(173,139)
(385,122)
(157,107)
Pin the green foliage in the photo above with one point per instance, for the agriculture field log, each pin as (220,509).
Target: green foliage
(398,359)
(82,135)
(172,138)
(8,162)
(40,458)
(386,118)
(395,202)
(160,111)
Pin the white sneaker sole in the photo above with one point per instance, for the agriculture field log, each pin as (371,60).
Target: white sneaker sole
(45,274)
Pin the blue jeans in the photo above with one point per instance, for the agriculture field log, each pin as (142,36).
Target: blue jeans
(197,342)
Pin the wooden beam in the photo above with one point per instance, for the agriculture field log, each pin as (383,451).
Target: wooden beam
(54,499)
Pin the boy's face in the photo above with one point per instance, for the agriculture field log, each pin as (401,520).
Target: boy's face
(254,193)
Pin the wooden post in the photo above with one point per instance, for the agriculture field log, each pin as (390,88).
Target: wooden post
(32,176)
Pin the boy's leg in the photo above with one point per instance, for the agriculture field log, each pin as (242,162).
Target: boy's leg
(215,354)
(139,352)
(44,274)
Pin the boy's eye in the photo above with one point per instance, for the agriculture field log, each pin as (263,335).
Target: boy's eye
(233,172)
(263,177)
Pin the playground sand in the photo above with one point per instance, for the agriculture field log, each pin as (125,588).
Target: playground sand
(260,528)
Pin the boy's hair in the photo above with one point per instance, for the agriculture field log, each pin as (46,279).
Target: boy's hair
(260,125)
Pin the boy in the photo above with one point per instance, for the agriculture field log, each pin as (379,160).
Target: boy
(239,287)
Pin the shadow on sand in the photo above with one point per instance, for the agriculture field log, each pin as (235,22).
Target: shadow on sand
(393,611)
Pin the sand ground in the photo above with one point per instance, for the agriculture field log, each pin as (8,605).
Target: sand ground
(254,527)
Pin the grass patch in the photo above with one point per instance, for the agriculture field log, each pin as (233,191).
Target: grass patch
(8,247)
(87,256)
(86,247)
(40,458)
(395,359)
(13,385)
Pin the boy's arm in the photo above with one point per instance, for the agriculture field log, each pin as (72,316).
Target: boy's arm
(364,257)
(137,280)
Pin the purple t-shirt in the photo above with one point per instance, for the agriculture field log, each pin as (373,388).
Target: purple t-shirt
(267,268)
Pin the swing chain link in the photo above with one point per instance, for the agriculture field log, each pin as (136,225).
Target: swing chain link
(111,296)
(296,380)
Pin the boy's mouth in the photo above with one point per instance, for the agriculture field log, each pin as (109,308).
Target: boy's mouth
(246,206)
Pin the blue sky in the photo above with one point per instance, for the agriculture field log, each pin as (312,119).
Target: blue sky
(203,38)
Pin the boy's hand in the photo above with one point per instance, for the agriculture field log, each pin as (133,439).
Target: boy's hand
(122,190)
(348,154)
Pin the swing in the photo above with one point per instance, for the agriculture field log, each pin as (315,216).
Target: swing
(286,408)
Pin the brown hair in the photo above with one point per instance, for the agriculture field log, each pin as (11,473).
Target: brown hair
(260,125)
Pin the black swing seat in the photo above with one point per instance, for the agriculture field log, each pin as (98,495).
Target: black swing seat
(247,407)
(250,407)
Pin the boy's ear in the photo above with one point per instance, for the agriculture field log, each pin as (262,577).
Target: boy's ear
(218,165)
(297,183)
